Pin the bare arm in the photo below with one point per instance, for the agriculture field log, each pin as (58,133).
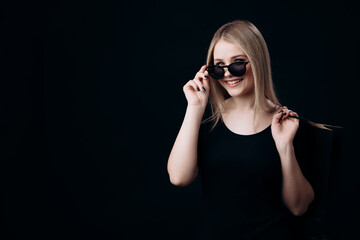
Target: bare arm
(296,190)
(182,164)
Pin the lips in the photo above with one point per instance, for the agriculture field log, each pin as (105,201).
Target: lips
(228,82)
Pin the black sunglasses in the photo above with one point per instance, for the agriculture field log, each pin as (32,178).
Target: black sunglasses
(236,69)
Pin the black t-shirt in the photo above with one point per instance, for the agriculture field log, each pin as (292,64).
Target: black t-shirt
(241,180)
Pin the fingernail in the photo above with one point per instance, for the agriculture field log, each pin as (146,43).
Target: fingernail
(204,89)
(198,89)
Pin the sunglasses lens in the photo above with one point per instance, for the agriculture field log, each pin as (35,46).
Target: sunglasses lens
(216,72)
(237,69)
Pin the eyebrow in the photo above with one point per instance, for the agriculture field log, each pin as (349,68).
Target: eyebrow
(240,55)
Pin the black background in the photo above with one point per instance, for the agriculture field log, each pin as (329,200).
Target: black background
(92,101)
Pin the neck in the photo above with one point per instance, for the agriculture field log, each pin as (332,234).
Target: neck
(243,103)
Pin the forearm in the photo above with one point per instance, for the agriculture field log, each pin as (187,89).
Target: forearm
(182,163)
(297,192)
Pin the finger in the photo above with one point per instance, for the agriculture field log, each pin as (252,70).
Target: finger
(294,115)
(286,113)
(206,81)
(199,84)
(290,113)
(277,118)
(200,76)
(202,69)
(195,85)
(283,117)
(190,85)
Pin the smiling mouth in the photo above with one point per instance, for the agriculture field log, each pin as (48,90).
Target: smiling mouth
(233,82)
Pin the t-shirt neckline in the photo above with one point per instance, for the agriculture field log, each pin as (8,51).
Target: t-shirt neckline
(244,135)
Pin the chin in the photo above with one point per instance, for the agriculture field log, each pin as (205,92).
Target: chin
(238,92)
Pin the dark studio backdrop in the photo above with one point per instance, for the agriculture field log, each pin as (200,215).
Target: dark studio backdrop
(92,101)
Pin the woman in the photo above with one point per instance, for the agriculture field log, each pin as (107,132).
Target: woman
(251,179)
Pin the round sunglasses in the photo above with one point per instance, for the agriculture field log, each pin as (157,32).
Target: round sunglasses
(236,69)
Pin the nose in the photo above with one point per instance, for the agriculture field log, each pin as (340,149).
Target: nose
(227,73)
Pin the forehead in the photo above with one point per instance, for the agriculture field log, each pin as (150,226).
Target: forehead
(225,50)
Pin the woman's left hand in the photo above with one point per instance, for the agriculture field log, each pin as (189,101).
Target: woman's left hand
(284,131)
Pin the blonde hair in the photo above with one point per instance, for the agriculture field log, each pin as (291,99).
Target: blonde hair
(245,35)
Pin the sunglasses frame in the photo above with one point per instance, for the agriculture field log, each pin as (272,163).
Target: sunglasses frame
(227,66)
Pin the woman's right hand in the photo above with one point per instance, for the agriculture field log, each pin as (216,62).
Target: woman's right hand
(194,89)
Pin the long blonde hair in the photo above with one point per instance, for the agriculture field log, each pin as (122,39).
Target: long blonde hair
(245,35)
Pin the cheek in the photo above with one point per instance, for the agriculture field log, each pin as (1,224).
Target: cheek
(250,78)
(248,71)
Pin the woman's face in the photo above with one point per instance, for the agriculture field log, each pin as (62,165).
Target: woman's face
(226,53)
